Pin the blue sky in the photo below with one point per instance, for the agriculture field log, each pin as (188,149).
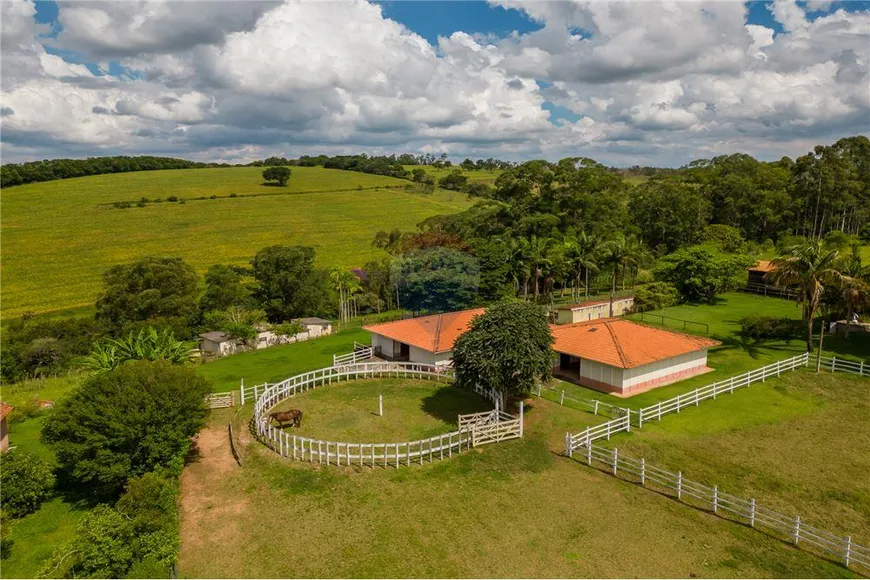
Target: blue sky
(235,80)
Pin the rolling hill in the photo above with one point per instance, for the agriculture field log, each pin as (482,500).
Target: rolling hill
(58,237)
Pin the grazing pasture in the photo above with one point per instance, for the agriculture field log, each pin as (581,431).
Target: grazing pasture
(60,236)
(515,509)
(799,444)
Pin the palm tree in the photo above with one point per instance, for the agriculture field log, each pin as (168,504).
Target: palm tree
(539,249)
(583,253)
(519,257)
(619,253)
(342,281)
(808,267)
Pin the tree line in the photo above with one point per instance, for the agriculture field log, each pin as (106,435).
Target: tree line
(50,169)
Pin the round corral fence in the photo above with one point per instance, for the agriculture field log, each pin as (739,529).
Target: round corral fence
(474,429)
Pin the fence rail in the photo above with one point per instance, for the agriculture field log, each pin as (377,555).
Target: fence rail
(691,399)
(650,317)
(834,364)
(498,425)
(358,354)
(701,496)
(768,290)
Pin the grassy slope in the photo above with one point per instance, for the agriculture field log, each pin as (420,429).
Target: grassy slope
(279,362)
(800,444)
(58,237)
(512,509)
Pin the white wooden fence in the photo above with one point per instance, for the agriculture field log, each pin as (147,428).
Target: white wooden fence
(834,364)
(478,429)
(843,549)
(359,354)
(638,417)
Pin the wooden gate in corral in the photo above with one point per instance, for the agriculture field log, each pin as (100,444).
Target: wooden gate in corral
(492,426)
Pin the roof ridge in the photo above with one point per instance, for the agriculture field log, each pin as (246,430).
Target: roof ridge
(616,343)
(437,332)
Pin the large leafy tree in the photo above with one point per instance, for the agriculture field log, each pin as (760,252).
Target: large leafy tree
(436,280)
(224,287)
(161,290)
(669,213)
(700,274)
(279,174)
(507,349)
(126,422)
(808,267)
(288,284)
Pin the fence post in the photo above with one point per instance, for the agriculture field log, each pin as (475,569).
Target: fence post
(778,371)
(596,405)
(521,418)
(588,453)
(752,513)
(797,529)
(615,460)
(697,402)
(242,391)
(568,451)
(562,399)
(679,485)
(628,420)
(642,471)
(640,419)
(660,411)
(833,363)
(608,430)
(848,554)
(678,403)
(380,405)
(715,499)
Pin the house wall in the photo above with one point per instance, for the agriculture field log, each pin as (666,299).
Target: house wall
(667,370)
(594,312)
(383,344)
(598,373)
(218,348)
(418,355)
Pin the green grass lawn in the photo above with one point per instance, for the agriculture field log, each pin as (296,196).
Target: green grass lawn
(279,362)
(59,237)
(799,444)
(413,409)
(513,509)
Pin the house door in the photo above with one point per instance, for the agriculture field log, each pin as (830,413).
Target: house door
(404,352)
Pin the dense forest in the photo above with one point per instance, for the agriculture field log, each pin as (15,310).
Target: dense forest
(51,169)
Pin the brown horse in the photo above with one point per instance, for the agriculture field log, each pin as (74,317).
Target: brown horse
(293,416)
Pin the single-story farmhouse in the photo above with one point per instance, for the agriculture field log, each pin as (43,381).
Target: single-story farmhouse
(593,310)
(620,357)
(427,339)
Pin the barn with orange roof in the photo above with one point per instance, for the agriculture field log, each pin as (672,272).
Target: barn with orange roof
(624,358)
(426,339)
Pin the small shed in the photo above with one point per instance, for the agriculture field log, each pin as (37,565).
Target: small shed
(217,343)
(5,409)
(617,356)
(425,339)
(316,326)
(593,310)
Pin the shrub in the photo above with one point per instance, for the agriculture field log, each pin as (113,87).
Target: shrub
(172,198)
(25,482)
(127,422)
(213,197)
(234,195)
(771,327)
(655,295)
(727,238)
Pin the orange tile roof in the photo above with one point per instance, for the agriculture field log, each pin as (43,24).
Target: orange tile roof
(4,410)
(763,266)
(620,343)
(435,333)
